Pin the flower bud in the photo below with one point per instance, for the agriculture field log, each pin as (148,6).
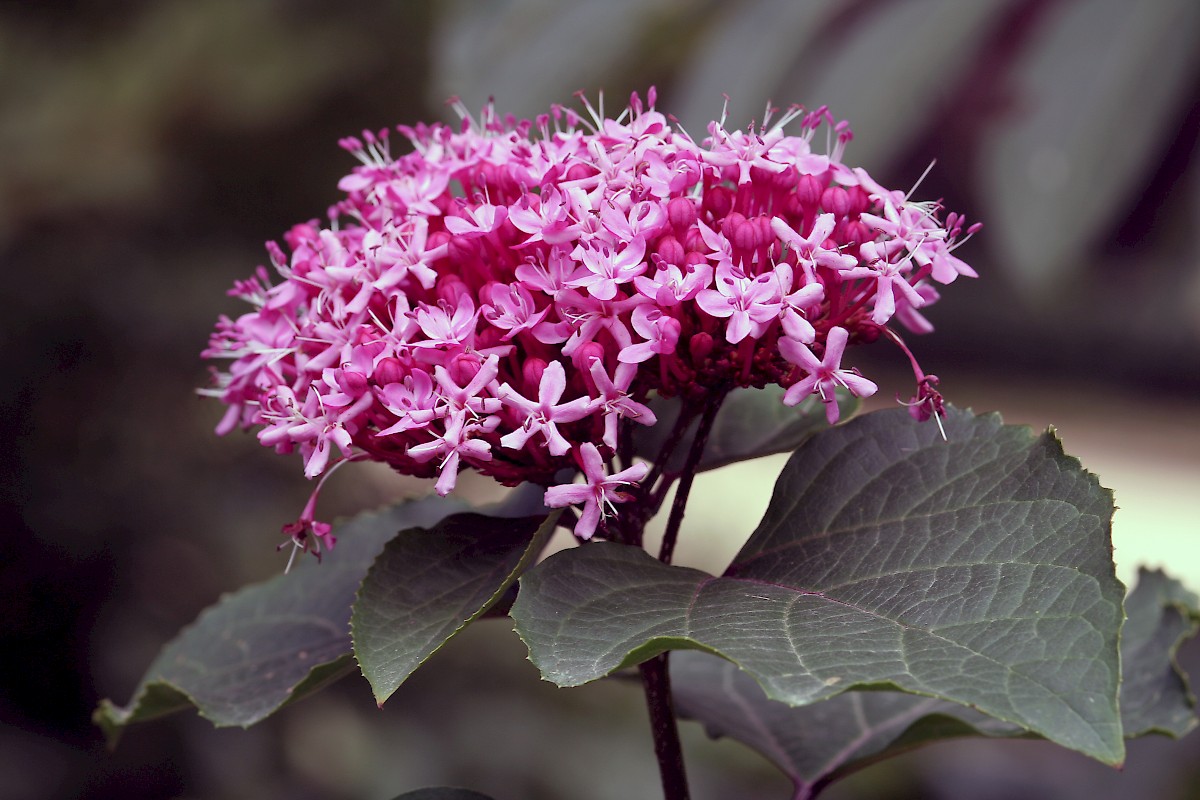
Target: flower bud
(450,288)
(388,370)
(860,201)
(670,250)
(834,200)
(808,190)
(681,211)
(583,357)
(700,345)
(463,367)
(718,201)
(532,371)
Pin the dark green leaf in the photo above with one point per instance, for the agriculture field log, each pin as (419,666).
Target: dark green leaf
(443,793)
(817,744)
(1155,697)
(427,585)
(267,644)
(977,570)
(271,643)
(751,423)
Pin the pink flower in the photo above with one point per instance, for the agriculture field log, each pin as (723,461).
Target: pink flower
(599,492)
(541,416)
(604,269)
(748,303)
(824,375)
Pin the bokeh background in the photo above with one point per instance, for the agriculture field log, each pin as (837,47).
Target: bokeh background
(147,149)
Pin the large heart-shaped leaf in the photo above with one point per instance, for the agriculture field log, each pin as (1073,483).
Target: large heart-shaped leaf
(816,745)
(977,570)
(751,423)
(427,585)
(272,642)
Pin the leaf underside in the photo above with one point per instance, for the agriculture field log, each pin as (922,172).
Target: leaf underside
(817,744)
(977,570)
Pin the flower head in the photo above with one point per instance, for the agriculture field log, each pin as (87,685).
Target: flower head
(507,295)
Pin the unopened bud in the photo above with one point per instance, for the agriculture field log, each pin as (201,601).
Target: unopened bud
(834,200)
(700,345)
(670,250)
(681,211)
(718,201)
(389,370)
(463,367)
(450,288)
(532,371)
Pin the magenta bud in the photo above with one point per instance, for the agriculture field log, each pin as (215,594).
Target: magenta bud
(587,353)
(700,346)
(857,231)
(681,211)
(836,201)
(718,201)
(760,176)
(670,250)
(450,288)
(299,234)
(731,223)
(860,201)
(437,239)
(762,230)
(579,172)
(463,367)
(809,190)
(389,370)
(745,235)
(352,383)
(463,248)
(532,371)
(487,292)
(786,180)
(695,257)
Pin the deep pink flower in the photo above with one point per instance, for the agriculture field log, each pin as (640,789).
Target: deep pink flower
(541,416)
(825,375)
(747,302)
(599,492)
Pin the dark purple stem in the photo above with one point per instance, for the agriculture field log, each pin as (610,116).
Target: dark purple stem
(655,675)
(686,477)
(657,682)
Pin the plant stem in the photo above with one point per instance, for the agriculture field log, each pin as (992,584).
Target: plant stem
(657,683)
(712,406)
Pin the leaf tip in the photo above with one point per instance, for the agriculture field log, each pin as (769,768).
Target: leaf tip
(107,717)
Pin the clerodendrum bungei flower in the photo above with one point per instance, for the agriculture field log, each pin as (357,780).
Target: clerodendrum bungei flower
(507,295)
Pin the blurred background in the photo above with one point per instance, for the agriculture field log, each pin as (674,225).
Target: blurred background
(147,149)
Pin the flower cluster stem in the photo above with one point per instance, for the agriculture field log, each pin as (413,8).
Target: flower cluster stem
(657,682)
(679,504)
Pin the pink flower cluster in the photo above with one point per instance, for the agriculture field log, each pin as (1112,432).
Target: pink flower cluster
(508,294)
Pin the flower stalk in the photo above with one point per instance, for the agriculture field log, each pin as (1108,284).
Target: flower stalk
(656,681)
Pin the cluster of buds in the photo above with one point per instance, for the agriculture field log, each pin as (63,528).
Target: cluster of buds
(507,295)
